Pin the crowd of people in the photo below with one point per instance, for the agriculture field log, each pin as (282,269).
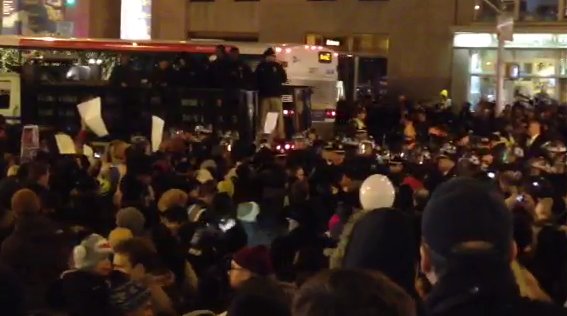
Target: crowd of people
(436,214)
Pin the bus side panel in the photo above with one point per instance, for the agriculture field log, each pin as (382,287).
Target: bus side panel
(303,67)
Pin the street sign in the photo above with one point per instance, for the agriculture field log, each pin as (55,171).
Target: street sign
(505,27)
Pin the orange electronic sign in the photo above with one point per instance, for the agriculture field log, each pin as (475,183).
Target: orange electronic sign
(325,57)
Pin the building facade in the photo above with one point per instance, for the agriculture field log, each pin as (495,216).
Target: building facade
(413,35)
(535,61)
(428,45)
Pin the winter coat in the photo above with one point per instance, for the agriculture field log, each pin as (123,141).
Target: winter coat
(484,291)
(36,252)
(12,296)
(270,76)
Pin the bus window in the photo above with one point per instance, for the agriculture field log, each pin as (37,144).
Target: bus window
(5,94)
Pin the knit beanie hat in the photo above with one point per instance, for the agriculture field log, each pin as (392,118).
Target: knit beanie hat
(255,259)
(132,219)
(91,251)
(248,212)
(129,297)
(119,235)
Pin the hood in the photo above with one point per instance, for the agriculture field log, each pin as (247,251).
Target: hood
(380,240)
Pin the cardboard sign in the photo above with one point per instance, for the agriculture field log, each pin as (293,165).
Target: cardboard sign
(91,114)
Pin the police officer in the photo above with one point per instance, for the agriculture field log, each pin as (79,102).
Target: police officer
(124,75)
(239,73)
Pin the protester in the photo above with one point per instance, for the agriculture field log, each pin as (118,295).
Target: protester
(393,251)
(86,289)
(12,293)
(35,250)
(138,259)
(248,263)
(467,250)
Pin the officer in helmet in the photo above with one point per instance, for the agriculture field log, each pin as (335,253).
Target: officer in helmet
(445,169)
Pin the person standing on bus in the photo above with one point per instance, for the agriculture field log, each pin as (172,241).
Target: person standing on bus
(219,68)
(239,78)
(164,75)
(123,75)
(239,73)
(270,77)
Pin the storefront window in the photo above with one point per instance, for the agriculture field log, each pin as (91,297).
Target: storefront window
(483,61)
(539,72)
(539,10)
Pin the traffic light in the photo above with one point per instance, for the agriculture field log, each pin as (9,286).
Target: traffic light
(70,3)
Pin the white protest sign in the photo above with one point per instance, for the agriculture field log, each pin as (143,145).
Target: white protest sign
(91,114)
(29,143)
(65,144)
(157,132)
(271,122)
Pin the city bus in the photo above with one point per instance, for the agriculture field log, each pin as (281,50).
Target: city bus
(42,79)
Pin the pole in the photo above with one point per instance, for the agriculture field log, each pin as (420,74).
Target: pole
(500,74)
(356,73)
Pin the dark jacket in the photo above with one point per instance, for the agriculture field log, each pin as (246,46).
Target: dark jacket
(163,77)
(485,291)
(239,75)
(219,72)
(12,295)
(123,75)
(36,252)
(87,294)
(534,149)
(270,77)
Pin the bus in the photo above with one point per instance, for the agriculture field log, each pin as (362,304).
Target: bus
(42,79)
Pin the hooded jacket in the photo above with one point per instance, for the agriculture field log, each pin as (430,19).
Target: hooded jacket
(480,289)
(380,240)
